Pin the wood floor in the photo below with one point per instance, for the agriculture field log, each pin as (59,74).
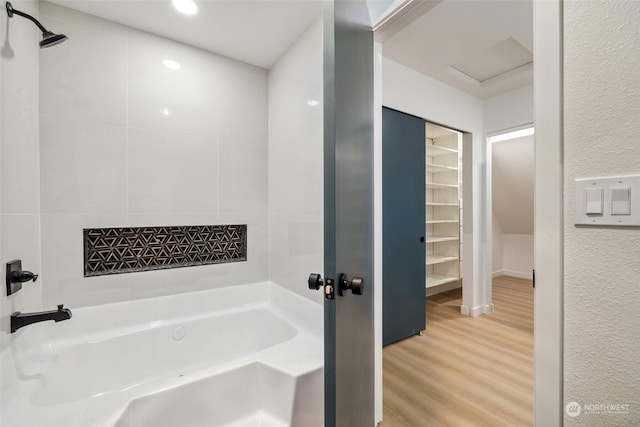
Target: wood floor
(465,371)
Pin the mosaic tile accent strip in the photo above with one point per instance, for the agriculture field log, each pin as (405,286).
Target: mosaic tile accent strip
(131,249)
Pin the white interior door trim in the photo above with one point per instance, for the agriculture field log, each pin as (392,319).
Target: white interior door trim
(548,218)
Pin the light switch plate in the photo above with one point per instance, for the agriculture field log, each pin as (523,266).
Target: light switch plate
(632,182)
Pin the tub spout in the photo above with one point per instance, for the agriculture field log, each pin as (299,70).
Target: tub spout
(18,320)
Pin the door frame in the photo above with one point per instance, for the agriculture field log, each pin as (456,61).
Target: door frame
(548,218)
(488,258)
(474,302)
(549,214)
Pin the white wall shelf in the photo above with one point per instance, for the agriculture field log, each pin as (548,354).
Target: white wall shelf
(437,150)
(442,204)
(438,239)
(439,185)
(443,211)
(436,259)
(436,280)
(435,168)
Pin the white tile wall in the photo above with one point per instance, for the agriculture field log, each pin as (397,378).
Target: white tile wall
(296,164)
(19,161)
(286,181)
(296,250)
(242,97)
(123,141)
(63,258)
(84,165)
(127,141)
(172,172)
(20,53)
(19,150)
(257,248)
(185,100)
(86,76)
(286,243)
(160,219)
(20,239)
(240,191)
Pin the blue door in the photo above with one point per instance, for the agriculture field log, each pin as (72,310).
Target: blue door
(348,219)
(403,225)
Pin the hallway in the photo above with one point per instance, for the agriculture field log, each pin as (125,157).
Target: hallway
(465,371)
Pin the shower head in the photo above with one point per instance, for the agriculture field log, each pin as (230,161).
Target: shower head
(48,38)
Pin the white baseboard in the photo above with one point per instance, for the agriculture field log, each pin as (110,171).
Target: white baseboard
(487,309)
(464,310)
(477,310)
(518,274)
(472,312)
(498,273)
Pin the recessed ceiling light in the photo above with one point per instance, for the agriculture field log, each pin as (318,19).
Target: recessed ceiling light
(165,111)
(171,64)
(188,7)
(313,102)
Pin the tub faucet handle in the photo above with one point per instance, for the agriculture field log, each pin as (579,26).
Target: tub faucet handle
(16,276)
(23,276)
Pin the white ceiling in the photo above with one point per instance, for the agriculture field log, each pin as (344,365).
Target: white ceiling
(512,184)
(253,31)
(479,36)
(436,37)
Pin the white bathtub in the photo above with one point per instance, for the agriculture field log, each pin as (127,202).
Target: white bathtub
(246,355)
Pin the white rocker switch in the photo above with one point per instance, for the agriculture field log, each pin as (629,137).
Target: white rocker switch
(621,201)
(594,203)
(607,201)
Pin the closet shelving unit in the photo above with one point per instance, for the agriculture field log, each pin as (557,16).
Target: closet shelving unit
(443,206)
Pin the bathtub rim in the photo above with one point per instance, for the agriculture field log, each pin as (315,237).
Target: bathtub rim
(302,313)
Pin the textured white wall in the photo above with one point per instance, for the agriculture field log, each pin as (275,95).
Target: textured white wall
(296,198)
(602,265)
(127,142)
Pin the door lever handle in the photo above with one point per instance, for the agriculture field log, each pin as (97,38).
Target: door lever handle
(344,284)
(315,282)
